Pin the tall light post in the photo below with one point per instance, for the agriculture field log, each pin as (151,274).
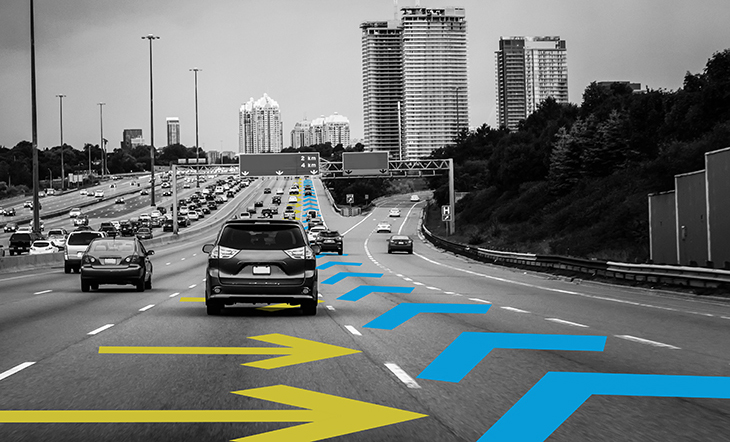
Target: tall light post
(34,126)
(197,152)
(151,37)
(63,171)
(101,137)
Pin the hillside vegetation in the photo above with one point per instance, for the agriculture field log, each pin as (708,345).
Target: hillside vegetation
(573,180)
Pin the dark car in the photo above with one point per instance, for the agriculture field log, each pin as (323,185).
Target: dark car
(267,190)
(267,213)
(212,205)
(119,200)
(259,204)
(125,228)
(9,212)
(168,226)
(21,242)
(116,261)
(109,229)
(144,233)
(329,240)
(400,243)
(10,227)
(255,261)
(276,199)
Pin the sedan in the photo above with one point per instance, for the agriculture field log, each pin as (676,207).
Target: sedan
(415,198)
(10,227)
(74,212)
(144,233)
(116,261)
(41,247)
(383,227)
(9,212)
(193,215)
(394,212)
(119,201)
(400,243)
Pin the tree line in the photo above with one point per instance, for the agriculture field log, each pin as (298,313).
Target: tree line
(573,179)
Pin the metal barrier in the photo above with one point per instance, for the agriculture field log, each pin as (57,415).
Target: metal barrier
(638,273)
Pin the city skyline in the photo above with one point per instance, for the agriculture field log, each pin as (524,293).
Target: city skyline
(91,52)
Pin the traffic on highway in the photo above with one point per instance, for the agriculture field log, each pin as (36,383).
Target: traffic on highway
(273,317)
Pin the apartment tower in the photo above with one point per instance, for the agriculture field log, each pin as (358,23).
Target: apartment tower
(173,131)
(529,70)
(260,126)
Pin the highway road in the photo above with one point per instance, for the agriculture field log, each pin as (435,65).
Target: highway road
(649,336)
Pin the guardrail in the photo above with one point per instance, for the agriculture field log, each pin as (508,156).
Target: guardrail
(634,273)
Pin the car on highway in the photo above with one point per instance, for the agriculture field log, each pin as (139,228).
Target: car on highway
(212,205)
(183,221)
(167,225)
(383,226)
(116,261)
(10,227)
(313,232)
(83,192)
(99,194)
(276,200)
(400,243)
(193,215)
(20,242)
(81,220)
(267,189)
(244,215)
(119,200)
(258,204)
(28,205)
(293,199)
(166,193)
(415,198)
(266,213)
(254,261)
(76,244)
(307,192)
(394,212)
(144,192)
(9,211)
(125,228)
(73,213)
(57,237)
(42,247)
(329,240)
(280,191)
(109,228)
(144,233)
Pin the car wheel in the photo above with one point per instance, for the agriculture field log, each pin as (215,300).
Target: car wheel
(339,252)
(213,308)
(94,286)
(309,308)
(85,286)
(77,269)
(390,251)
(11,253)
(66,268)
(410,251)
(148,284)
(140,284)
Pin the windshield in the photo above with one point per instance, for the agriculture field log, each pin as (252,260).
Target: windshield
(261,237)
(106,245)
(82,238)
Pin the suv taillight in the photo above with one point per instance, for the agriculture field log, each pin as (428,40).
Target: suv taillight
(300,253)
(220,252)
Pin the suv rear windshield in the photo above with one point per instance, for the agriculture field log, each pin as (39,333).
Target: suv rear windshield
(82,238)
(20,237)
(261,237)
(329,233)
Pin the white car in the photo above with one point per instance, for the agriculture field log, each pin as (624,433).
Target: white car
(74,212)
(83,192)
(42,246)
(415,198)
(293,199)
(394,212)
(193,215)
(99,194)
(314,231)
(383,227)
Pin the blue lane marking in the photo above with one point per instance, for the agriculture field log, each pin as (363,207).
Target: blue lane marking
(558,394)
(467,350)
(358,293)
(403,312)
(329,264)
(324,255)
(337,277)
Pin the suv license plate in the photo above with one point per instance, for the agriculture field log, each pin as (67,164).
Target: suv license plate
(261,270)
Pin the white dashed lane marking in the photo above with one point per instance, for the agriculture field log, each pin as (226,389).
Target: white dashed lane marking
(15,369)
(647,342)
(561,321)
(144,309)
(100,329)
(402,375)
(174,294)
(512,309)
(479,300)
(42,292)
(353,330)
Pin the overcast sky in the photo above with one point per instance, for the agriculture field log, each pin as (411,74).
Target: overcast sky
(306,54)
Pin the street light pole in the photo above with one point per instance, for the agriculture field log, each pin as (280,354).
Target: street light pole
(63,171)
(101,138)
(151,37)
(197,152)
(34,114)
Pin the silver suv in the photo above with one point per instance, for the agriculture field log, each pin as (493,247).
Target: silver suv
(256,261)
(76,245)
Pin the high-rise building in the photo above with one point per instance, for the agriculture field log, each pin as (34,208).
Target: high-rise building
(382,77)
(300,135)
(337,130)
(415,81)
(173,131)
(214,156)
(260,126)
(130,137)
(529,70)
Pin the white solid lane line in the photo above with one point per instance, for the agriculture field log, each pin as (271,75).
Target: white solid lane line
(561,321)
(15,369)
(512,309)
(353,330)
(144,309)
(480,300)
(42,292)
(402,375)
(100,329)
(647,342)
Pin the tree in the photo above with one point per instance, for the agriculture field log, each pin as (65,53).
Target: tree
(564,162)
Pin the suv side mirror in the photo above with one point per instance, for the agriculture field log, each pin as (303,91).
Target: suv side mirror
(150,252)
(207,248)
(317,249)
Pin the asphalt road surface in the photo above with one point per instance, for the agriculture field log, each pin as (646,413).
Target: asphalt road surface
(46,319)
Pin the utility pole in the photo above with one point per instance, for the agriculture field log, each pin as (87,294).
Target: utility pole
(101,138)
(36,178)
(197,151)
(63,171)
(151,37)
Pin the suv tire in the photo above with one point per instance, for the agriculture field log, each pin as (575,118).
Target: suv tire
(309,308)
(141,284)
(213,307)
(148,284)
(66,268)
(85,286)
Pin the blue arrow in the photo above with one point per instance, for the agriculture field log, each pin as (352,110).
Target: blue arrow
(321,255)
(329,264)
(558,394)
(403,312)
(337,277)
(358,293)
(467,350)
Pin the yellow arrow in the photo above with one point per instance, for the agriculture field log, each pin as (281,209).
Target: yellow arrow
(324,416)
(295,351)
